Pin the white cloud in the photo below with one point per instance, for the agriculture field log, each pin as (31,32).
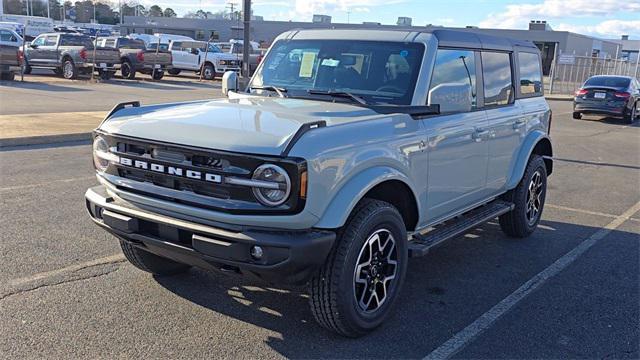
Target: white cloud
(518,16)
(303,10)
(607,28)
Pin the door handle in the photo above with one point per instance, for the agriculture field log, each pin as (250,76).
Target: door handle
(519,123)
(479,134)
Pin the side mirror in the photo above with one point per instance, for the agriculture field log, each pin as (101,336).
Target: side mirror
(33,46)
(229,82)
(452,97)
(195,51)
(13,39)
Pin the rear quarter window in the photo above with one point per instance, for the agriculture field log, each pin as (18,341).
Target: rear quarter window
(530,74)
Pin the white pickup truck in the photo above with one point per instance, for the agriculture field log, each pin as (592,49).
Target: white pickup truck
(191,56)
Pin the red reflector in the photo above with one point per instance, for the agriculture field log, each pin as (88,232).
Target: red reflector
(622,94)
(83,54)
(581,92)
(140,56)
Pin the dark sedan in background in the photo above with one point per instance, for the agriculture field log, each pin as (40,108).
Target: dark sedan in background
(608,95)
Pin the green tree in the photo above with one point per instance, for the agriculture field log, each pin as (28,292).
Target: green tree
(168,12)
(155,10)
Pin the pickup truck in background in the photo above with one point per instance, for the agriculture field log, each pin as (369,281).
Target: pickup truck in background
(136,57)
(70,55)
(236,48)
(192,56)
(10,60)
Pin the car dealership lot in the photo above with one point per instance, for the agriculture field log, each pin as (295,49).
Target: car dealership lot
(65,290)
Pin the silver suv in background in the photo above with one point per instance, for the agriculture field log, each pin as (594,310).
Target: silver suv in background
(349,152)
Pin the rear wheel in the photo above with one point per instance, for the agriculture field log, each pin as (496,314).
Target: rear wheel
(58,71)
(157,74)
(354,291)
(209,72)
(69,70)
(528,198)
(149,262)
(7,76)
(632,114)
(127,71)
(577,115)
(174,72)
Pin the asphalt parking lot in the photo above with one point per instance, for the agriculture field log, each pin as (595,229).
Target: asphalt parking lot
(43,92)
(569,291)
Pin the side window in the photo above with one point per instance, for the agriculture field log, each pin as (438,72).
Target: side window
(455,67)
(110,43)
(50,40)
(5,35)
(39,41)
(496,73)
(530,74)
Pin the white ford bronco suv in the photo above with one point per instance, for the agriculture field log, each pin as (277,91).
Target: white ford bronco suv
(349,152)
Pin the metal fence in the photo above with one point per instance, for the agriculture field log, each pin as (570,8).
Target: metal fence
(568,74)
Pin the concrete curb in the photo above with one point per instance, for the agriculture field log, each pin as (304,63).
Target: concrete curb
(559,98)
(45,139)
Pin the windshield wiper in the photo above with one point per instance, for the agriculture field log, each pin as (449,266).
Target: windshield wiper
(341,94)
(279,90)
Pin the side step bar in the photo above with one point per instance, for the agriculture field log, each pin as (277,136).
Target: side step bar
(422,243)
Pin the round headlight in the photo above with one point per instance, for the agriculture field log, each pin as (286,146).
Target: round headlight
(274,187)
(100,154)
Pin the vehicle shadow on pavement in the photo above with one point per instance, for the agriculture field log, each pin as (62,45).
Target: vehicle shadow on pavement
(607,120)
(444,292)
(41,86)
(148,85)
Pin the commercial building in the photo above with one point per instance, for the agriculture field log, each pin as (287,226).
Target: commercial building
(550,42)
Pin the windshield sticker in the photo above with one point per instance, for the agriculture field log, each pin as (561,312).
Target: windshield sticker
(306,66)
(404,53)
(330,62)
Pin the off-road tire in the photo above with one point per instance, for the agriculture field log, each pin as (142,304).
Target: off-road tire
(157,74)
(58,71)
(69,70)
(174,72)
(151,263)
(208,72)
(577,115)
(332,294)
(127,70)
(515,223)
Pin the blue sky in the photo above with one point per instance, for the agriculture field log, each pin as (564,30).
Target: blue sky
(602,18)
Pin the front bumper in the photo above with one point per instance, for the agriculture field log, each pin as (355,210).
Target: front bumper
(289,257)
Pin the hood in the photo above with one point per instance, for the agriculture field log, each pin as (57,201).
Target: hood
(255,125)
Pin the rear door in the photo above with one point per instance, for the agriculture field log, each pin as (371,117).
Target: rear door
(505,117)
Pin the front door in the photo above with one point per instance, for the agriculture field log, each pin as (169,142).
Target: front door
(458,152)
(35,56)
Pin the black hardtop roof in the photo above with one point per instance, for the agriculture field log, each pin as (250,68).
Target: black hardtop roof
(469,39)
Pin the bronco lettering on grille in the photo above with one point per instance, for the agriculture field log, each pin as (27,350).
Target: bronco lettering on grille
(171,170)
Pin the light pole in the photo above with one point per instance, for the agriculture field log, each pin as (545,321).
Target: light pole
(246,9)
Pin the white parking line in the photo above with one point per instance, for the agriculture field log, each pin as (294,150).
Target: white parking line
(560,207)
(464,337)
(29,186)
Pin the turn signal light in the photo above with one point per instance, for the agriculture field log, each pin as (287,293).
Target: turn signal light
(581,92)
(303,185)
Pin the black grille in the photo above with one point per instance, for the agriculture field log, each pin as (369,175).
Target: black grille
(232,198)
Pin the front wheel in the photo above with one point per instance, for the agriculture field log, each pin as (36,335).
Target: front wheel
(174,72)
(209,72)
(528,198)
(149,262)
(26,69)
(577,115)
(105,75)
(354,291)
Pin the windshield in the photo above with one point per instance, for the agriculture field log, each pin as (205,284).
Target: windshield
(609,81)
(212,49)
(378,72)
